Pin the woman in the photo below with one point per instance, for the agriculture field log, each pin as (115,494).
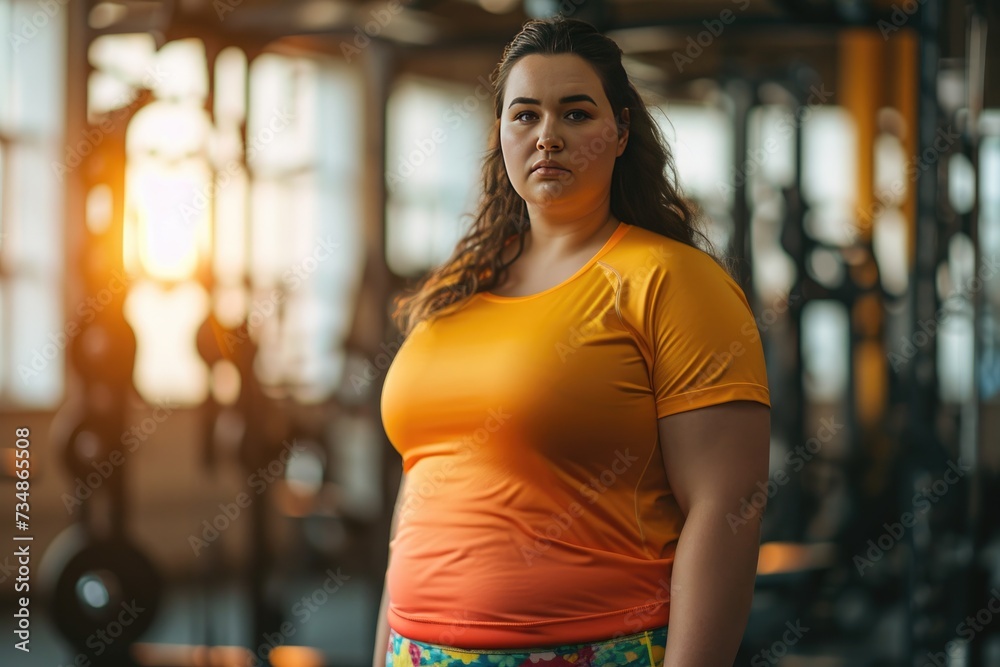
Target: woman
(580,412)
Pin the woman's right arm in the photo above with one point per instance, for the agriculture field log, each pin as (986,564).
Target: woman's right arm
(382,627)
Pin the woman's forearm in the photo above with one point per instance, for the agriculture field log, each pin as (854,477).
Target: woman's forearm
(382,624)
(711,589)
(381,630)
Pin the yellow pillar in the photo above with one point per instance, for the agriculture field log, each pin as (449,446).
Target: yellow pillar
(860,90)
(860,87)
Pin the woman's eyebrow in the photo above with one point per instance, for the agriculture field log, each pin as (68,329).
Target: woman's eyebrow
(563,100)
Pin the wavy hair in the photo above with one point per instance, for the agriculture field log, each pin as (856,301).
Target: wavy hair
(644,189)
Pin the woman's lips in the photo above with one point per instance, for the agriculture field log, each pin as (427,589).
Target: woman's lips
(550,171)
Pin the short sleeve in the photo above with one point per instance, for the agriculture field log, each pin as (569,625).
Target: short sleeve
(704,340)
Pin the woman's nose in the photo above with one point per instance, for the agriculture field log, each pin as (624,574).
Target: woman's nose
(549,141)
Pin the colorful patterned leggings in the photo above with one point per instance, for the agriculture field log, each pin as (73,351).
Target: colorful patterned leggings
(643,649)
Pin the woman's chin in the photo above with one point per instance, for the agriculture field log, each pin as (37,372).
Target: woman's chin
(549,194)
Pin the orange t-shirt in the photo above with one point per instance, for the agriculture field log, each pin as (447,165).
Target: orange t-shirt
(537,509)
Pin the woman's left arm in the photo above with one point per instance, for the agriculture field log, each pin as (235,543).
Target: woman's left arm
(714,458)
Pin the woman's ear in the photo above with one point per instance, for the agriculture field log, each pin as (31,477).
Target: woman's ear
(623,124)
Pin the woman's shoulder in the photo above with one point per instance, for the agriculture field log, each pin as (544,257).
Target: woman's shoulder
(665,275)
(651,249)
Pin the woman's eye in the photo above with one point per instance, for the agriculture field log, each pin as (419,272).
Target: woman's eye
(576,115)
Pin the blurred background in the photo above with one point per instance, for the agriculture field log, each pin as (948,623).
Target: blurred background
(207,205)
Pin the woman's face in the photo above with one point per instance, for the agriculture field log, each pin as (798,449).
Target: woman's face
(554,108)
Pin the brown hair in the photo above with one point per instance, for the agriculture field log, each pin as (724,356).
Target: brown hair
(644,192)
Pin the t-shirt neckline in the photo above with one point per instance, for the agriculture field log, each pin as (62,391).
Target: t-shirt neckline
(608,245)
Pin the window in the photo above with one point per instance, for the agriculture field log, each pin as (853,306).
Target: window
(32,338)
(279,235)
(436,138)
